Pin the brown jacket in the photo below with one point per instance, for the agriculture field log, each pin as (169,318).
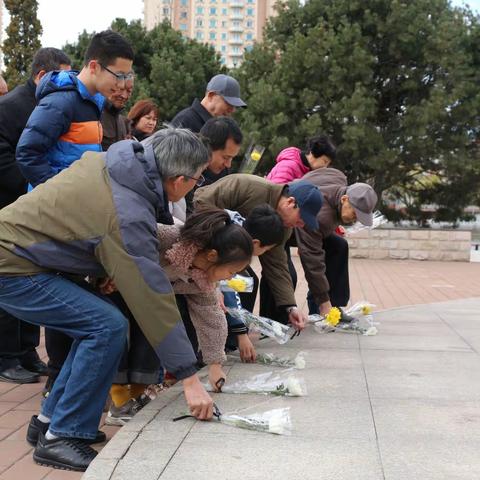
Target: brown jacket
(333,184)
(242,193)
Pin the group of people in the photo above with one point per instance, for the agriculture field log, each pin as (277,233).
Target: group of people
(125,233)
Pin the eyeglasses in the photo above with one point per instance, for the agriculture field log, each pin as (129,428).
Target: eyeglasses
(200,179)
(121,77)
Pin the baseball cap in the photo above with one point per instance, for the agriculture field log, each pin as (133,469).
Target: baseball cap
(309,200)
(363,199)
(228,88)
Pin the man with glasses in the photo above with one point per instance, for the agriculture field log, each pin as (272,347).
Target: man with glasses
(66,121)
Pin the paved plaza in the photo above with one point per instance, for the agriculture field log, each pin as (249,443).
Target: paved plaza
(400,405)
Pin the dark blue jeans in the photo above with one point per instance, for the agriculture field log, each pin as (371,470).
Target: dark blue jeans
(99,332)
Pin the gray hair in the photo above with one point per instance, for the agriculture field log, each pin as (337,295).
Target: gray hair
(178,151)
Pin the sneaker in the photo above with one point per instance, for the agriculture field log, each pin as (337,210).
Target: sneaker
(63,453)
(36,427)
(143,400)
(120,416)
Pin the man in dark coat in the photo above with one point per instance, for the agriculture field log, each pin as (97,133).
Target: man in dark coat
(221,98)
(19,361)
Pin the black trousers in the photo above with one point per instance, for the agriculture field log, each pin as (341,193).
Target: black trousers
(336,263)
(268,307)
(18,340)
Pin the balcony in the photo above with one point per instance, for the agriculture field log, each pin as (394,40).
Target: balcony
(236,29)
(236,54)
(236,16)
(236,4)
(235,41)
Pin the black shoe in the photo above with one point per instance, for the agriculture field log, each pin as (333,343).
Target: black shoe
(36,427)
(36,366)
(63,453)
(18,374)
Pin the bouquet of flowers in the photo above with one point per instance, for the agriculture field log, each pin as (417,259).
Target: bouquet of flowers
(271,359)
(362,320)
(238,283)
(378,219)
(285,384)
(270,328)
(275,421)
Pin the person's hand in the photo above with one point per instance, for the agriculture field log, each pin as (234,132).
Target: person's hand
(246,348)
(215,373)
(221,302)
(199,401)
(107,286)
(297,319)
(325,308)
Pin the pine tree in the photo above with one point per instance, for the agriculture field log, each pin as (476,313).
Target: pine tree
(23,40)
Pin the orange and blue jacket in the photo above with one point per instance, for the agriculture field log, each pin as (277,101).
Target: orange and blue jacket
(62,127)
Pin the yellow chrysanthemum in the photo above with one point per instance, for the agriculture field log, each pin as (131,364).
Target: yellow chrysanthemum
(255,156)
(237,284)
(333,316)
(366,309)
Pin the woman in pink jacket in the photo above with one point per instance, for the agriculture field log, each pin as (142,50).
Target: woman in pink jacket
(293,163)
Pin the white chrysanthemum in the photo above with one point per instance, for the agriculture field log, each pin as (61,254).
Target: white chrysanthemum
(277,329)
(300,361)
(294,387)
(277,424)
(371,331)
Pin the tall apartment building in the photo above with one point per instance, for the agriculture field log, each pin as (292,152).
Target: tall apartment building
(231,26)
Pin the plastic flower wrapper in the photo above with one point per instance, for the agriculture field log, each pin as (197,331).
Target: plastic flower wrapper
(271,359)
(270,328)
(275,421)
(238,283)
(378,219)
(281,384)
(362,322)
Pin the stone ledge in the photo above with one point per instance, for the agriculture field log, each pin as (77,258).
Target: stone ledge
(439,245)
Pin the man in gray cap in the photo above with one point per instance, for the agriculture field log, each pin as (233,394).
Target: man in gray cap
(342,204)
(221,98)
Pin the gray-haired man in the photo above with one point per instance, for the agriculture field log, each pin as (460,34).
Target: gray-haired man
(99,218)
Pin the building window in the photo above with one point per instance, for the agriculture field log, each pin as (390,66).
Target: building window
(249,24)
(213,10)
(224,11)
(224,48)
(183,27)
(183,15)
(166,11)
(199,22)
(199,35)
(250,12)
(224,36)
(224,24)
(213,35)
(249,36)
(200,10)
(184,3)
(213,23)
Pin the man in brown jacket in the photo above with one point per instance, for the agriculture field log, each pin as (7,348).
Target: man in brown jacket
(342,204)
(297,203)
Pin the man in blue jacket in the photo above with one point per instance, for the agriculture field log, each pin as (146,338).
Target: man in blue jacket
(66,121)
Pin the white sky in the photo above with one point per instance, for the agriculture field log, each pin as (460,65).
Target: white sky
(64,20)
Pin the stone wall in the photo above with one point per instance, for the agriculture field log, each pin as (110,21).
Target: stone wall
(425,244)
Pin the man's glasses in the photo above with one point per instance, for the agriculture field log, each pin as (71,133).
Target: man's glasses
(200,179)
(121,77)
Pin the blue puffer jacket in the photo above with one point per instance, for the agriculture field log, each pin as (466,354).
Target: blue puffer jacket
(64,125)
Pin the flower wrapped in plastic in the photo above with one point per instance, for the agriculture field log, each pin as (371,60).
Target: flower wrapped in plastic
(278,331)
(275,421)
(362,322)
(271,359)
(378,219)
(238,283)
(269,383)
